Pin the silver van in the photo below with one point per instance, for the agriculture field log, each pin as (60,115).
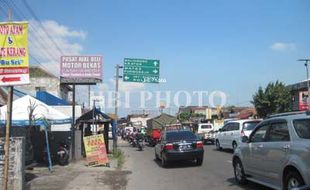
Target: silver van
(277,152)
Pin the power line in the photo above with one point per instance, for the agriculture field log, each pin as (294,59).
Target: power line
(48,53)
(33,42)
(34,15)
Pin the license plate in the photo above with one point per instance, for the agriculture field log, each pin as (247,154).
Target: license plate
(185,147)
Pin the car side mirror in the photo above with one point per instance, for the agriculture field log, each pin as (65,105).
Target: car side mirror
(245,139)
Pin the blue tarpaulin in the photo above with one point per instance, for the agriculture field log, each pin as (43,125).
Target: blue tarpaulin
(50,99)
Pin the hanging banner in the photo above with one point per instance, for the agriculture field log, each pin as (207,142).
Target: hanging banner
(95,149)
(14,63)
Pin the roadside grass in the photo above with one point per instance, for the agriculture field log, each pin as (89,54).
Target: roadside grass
(120,157)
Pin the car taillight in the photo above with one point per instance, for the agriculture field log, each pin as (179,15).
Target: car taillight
(168,147)
(242,133)
(199,144)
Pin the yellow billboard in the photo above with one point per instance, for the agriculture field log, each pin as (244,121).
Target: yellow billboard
(14,60)
(95,150)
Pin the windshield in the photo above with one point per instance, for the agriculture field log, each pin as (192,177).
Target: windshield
(302,127)
(249,126)
(180,135)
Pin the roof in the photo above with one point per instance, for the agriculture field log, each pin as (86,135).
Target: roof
(243,120)
(37,72)
(89,116)
(298,86)
(50,99)
(161,121)
(41,111)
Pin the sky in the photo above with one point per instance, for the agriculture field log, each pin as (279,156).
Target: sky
(203,45)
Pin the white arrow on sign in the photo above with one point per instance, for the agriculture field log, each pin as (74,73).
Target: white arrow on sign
(126,77)
(155,63)
(155,71)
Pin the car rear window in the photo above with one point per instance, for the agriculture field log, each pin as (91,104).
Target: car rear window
(206,126)
(249,126)
(302,128)
(180,135)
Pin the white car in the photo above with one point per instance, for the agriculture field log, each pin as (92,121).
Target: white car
(204,130)
(230,135)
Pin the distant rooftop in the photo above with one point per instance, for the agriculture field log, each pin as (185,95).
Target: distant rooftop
(39,72)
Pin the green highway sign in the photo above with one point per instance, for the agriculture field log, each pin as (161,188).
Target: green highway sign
(140,78)
(141,70)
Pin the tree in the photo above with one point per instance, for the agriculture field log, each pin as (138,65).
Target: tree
(31,117)
(185,116)
(275,98)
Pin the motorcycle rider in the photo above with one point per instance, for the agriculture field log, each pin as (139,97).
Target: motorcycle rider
(132,137)
(140,139)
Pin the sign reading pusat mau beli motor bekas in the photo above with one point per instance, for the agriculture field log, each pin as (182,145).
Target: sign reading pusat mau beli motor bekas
(14,63)
(81,69)
(141,70)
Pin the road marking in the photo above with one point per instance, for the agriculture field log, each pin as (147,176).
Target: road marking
(229,161)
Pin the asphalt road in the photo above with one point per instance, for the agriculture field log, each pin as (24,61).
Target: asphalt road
(216,173)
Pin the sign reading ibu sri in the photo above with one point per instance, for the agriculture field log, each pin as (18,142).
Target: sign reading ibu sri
(95,150)
(81,69)
(14,63)
(141,70)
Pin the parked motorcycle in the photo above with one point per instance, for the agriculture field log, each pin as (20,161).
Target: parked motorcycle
(63,154)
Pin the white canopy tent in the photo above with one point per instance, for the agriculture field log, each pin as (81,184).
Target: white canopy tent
(41,112)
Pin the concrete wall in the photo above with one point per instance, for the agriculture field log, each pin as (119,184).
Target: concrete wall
(16,176)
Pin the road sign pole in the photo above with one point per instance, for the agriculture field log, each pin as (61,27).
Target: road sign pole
(117,77)
(73,123)
(7,138)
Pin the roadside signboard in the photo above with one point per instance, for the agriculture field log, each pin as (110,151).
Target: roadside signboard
(95,149)
(14,63)
(141,70)
(81,69)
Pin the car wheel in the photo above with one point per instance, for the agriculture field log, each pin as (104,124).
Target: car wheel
(218,146)
(239,172)
(234,145)
(293,180)
(199,161)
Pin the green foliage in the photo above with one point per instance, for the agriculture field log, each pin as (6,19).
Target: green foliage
(185,116)
(275,98)
(120,157)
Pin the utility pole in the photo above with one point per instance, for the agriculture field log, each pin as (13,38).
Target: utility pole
(117,77)
(73,123)
(8,127)
(308,84)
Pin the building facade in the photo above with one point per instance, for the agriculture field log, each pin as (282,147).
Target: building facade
(42,80)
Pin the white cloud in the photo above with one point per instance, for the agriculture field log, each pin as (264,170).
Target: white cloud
(42,43)
(127,86)
(281,46)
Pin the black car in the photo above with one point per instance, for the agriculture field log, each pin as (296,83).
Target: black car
(179,145)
